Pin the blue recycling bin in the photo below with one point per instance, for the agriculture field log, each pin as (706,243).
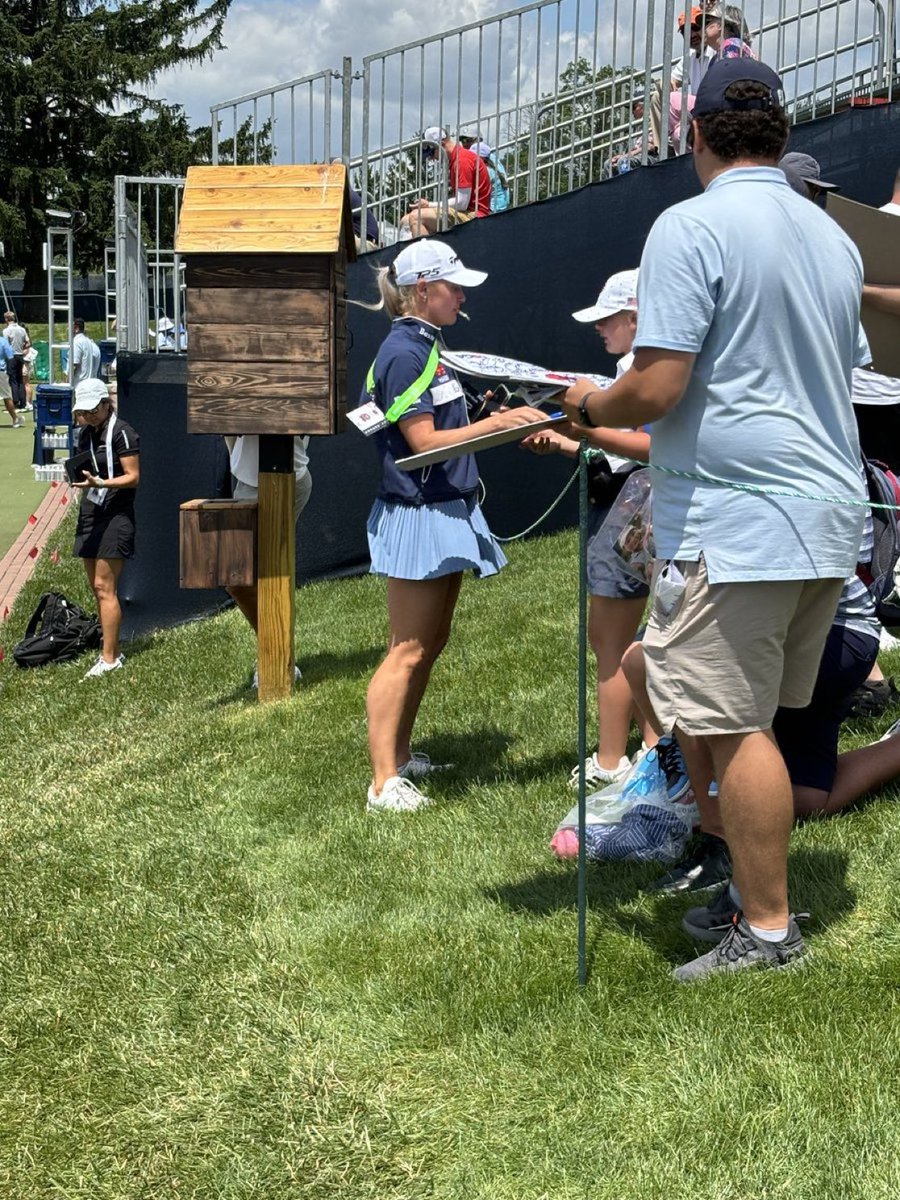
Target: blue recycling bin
(107,356)
(52,412)
(54,404)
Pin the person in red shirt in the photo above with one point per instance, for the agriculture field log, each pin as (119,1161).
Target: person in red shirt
(469,189)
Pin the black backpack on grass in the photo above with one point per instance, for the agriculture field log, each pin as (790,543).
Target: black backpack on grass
(880,575)
(59,630)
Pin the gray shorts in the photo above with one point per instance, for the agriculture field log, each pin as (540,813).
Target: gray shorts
(728,654)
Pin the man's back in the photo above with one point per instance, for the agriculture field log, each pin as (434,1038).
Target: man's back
(16,336)
(769,289)
(85,359)
(467,170)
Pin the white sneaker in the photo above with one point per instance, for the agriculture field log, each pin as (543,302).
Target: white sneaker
(18,423)
(419,765)
(102,667)
(298,675)
(597,776)
(397,795)
(28,408)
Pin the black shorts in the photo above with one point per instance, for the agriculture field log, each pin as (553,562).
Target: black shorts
(808,737)
(99,535)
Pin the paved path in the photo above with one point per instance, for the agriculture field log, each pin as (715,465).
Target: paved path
(17,565)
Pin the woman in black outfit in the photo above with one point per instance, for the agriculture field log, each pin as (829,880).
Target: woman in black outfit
(104,537)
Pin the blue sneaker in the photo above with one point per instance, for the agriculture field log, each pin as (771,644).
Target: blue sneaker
(662,767)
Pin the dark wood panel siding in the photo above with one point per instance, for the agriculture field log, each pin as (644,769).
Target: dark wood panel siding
(258,270)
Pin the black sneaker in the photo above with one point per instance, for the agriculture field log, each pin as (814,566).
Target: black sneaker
(739,949)
(711,922)
(706,864)
(872,699)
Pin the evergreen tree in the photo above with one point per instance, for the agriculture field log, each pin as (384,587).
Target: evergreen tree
(74,76)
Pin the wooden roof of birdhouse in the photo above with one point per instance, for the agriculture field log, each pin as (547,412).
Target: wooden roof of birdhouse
(266,210)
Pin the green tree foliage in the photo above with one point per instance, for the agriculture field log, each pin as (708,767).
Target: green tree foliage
(74,76)
(571,133)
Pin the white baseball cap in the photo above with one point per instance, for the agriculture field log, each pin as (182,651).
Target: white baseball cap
(430,260)
(482,149)
(165,323)
(619,293)
(434,135)
(88,394)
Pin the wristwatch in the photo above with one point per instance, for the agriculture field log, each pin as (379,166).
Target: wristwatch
(583,414)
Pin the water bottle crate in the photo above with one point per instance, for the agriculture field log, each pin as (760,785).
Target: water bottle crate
(50,473)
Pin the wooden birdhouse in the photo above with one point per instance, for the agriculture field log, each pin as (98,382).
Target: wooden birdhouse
(266,250)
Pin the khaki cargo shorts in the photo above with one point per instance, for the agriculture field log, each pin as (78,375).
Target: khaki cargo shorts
(726,655)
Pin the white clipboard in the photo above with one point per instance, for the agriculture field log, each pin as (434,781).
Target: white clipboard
(484,441)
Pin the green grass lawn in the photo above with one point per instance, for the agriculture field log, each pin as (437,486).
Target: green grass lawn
(222,979)
(19,494)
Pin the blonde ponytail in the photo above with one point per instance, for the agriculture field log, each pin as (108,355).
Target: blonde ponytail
(395,300)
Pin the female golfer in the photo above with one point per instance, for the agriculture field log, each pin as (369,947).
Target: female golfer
(104,535)
(425,527)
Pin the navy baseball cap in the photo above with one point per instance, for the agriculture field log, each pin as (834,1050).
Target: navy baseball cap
(721,75)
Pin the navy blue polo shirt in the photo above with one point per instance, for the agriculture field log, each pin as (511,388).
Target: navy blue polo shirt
(400,361)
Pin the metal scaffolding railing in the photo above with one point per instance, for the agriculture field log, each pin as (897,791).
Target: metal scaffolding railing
(149,275)
(548,85)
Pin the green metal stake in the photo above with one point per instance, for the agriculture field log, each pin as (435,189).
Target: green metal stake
(582,708)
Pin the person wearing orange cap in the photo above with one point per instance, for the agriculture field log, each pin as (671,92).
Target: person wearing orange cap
(698,59)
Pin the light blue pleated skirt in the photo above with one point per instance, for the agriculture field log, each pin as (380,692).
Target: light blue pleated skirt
(407,541)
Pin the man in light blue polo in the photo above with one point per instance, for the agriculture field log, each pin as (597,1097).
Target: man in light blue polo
(747,334)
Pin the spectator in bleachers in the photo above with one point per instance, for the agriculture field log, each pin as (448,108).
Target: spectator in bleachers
(469,188)
(631,155)
(371,242)
(725,32)
(499,183)
(698,60)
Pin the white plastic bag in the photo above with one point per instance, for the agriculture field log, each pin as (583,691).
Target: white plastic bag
(628,528)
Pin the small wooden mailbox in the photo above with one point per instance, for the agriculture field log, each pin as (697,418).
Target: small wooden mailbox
(266,252)
(218,543)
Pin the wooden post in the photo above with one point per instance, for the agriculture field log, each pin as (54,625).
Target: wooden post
(276,568)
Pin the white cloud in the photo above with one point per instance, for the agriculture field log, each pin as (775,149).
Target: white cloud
(271,41)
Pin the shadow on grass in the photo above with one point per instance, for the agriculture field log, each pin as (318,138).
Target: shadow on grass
(608,886)
(317,668)
(818,885)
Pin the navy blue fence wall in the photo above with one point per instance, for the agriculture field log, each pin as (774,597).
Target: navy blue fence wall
(544,261)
